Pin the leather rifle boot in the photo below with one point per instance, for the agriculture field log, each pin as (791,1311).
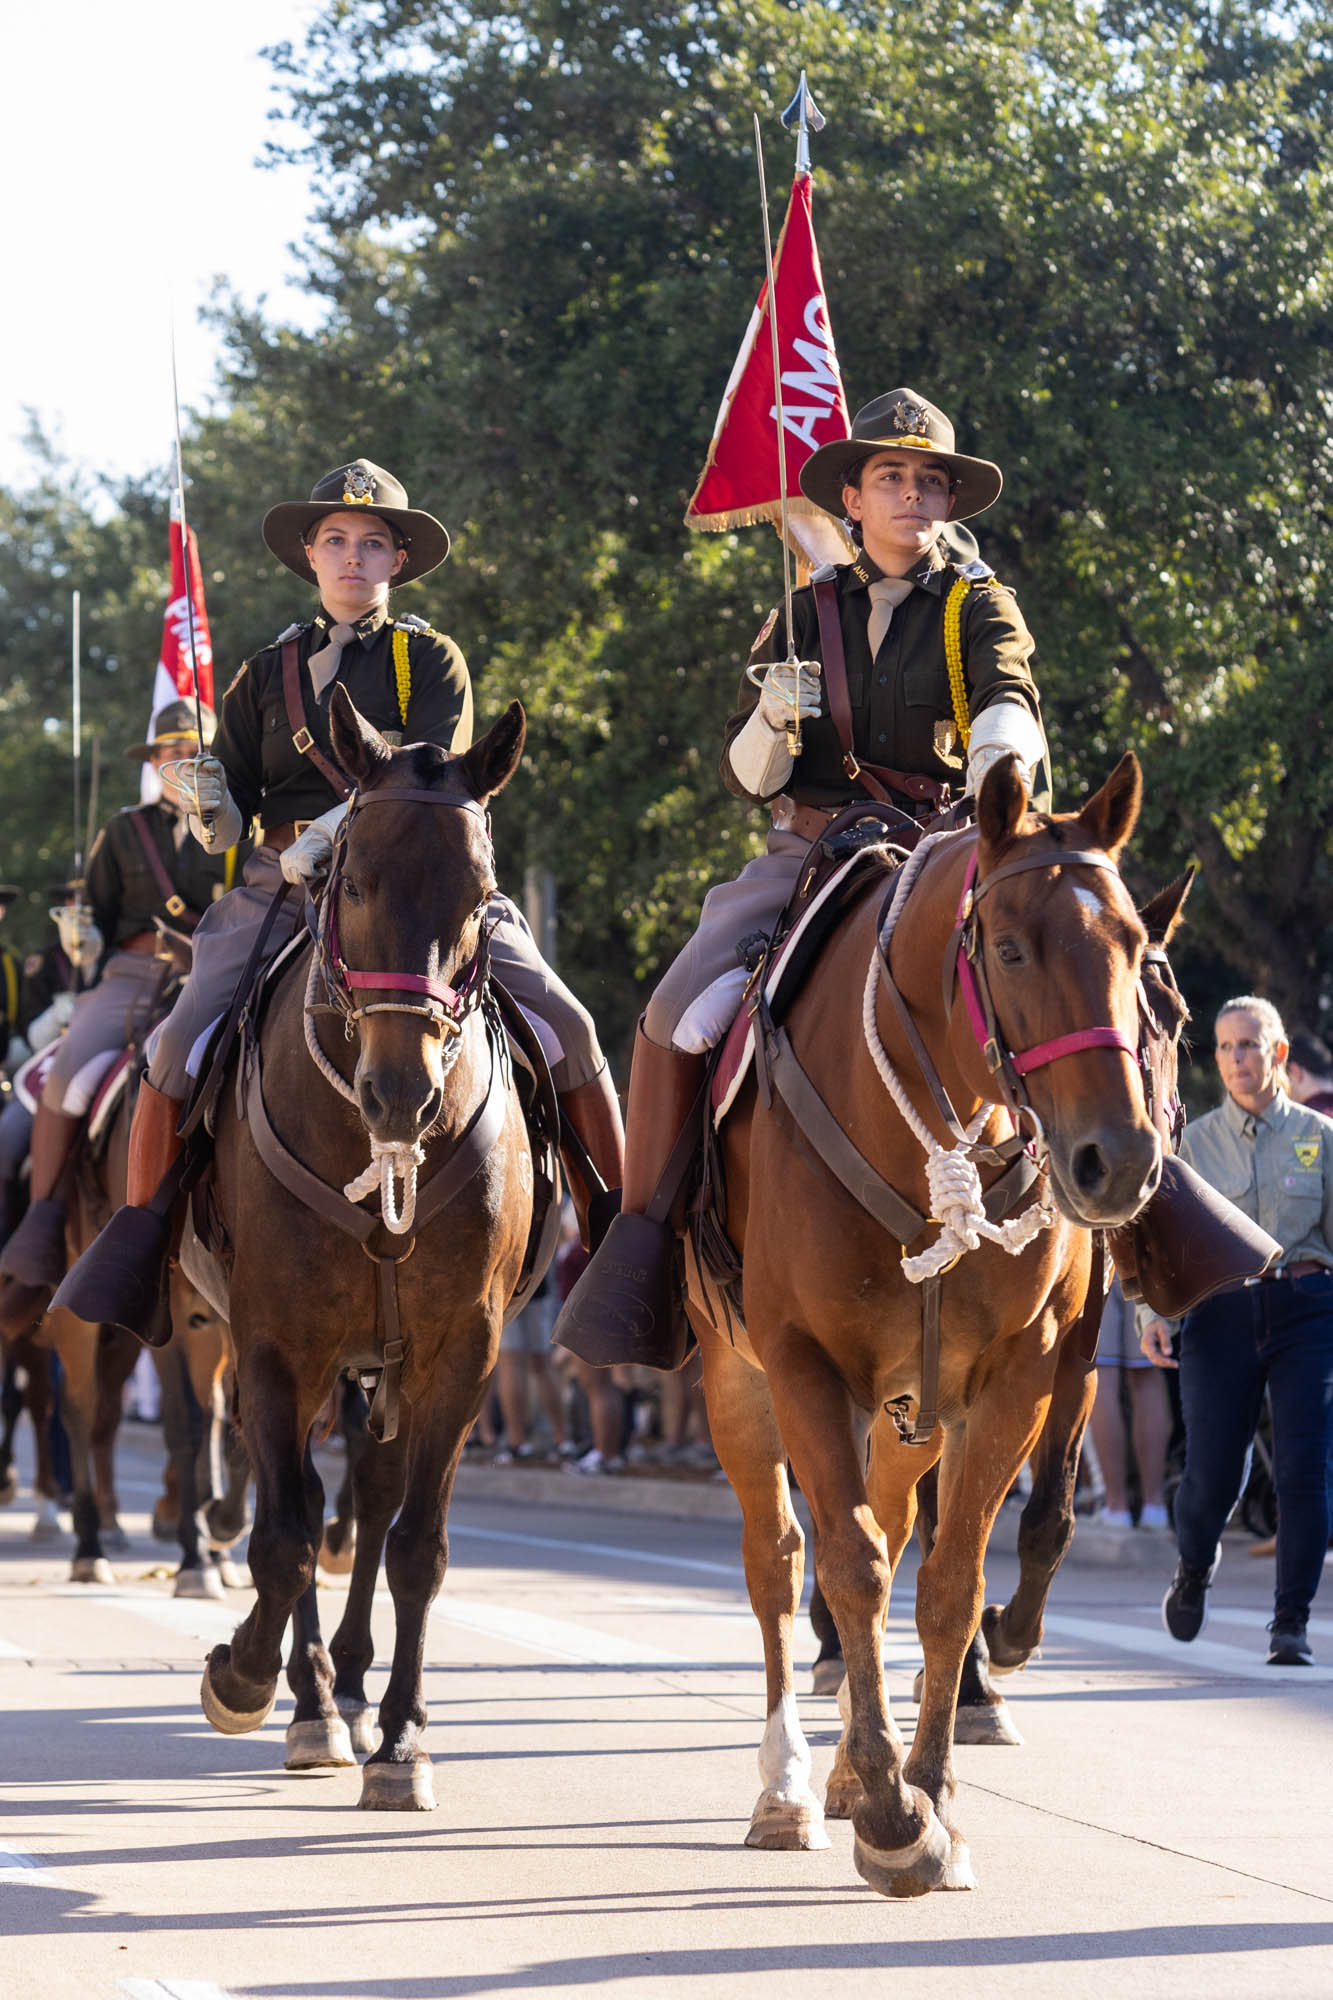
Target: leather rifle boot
(121,1279)
(593,1109)
(1189,1242)
(626,1305)
(34,1257)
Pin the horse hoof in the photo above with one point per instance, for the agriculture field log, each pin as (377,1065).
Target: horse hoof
(908,1871)
(9,1487)
(234,1575)
(985,1722)
(313,1746)
(91,1569)
(230,1721)
(201,1582)
(361,1725)
(826,1676)
(337,1551)
(46,1527)
(787,1825)
(841,1797)
(1003,1658)
(398,1787)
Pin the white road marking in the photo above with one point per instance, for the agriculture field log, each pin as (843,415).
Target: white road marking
(171,1989)
(1247,1664)
(16,1867)
(8,1652)
(553,1636)
(191,1617)
(646,1557)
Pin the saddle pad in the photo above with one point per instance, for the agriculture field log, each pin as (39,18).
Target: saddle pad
(737,1051)
(109,1093)
(30,1077)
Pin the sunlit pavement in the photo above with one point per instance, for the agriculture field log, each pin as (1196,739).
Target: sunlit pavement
(596,1703)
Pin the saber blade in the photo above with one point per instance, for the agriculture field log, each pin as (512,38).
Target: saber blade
(206,819)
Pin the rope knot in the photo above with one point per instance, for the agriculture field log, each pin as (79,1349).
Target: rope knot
(390,1160)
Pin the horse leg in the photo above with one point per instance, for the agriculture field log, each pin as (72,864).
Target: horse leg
(40,1400)
(745,1436)
(338,1548)
(11,1408)
(397,1776)
(983,1713)
(378,1476)
(76,1344)
(901,1848)
(1012,1634)
(317,1736)
(980,1460)
(241,1679)
(181,1430)
(117,1352)
(827,1672)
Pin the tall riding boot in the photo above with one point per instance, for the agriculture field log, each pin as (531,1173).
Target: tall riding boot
(625,1307)
(34,1256)
(1189,1242)
(593,1109)
(121,1279)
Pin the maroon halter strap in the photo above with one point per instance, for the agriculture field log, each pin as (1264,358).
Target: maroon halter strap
(1042,1053)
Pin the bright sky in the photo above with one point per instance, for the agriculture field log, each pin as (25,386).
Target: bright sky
(131,134)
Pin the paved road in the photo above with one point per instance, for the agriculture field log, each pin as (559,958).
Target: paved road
(595,1711)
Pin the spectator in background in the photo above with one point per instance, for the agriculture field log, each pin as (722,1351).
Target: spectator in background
(1131,1420)
(525,1362)
(1274,1159)
(601,1389)
(1310,1074)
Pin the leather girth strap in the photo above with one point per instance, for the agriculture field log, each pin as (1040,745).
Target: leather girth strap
(818,1132)
(331,1205)
(872,777)
(296,722)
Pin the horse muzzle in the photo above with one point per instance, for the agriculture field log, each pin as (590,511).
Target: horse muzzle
(1107,1175)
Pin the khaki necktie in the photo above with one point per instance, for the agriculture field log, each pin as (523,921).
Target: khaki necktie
(323,665)
(886,593)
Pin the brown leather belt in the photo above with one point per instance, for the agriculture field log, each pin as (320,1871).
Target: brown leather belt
(280,838)
(1308,1267)
(145,942)
(808,822)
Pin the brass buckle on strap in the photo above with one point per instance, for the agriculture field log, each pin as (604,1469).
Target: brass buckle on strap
(176,906)
(304,741)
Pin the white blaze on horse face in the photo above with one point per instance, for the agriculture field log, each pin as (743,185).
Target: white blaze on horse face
(1088,901)
(784,1754)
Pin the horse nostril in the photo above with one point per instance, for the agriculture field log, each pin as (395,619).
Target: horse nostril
(431,1110)
(372,1105)
(1090,1169)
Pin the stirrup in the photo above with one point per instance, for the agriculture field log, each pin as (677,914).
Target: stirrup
(626,1306)
(121,1279)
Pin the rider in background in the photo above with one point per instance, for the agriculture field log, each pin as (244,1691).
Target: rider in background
(1274,1159)
(354,538)
(143,870)
(896,481)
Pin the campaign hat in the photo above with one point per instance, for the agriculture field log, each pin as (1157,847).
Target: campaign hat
(174,727)
(288,527)
(900,421)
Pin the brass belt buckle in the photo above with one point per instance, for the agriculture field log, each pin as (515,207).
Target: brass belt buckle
(783,811)
(300,825)
(303,740)
(175,906)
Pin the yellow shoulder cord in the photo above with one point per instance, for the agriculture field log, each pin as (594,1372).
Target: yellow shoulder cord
(953,656)
(402,672)
(229,870)
(11,990)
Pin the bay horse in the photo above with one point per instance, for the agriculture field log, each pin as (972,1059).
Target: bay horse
(1029,914)
(409,1058)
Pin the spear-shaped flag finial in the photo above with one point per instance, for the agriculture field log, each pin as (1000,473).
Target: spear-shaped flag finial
(806,117)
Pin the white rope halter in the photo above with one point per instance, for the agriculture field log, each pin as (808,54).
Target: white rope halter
(956,1194)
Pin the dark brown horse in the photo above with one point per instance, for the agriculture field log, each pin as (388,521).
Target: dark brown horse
(834,1326)
(410,1058)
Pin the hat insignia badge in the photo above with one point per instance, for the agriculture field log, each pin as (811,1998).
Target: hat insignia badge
(358,488)
(911,419)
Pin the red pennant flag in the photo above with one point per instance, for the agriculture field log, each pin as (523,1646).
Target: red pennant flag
(740,483)
(173,680)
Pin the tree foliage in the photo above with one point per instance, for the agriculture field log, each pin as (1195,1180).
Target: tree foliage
(1100,238)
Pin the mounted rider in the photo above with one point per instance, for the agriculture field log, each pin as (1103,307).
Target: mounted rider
(143,871)
(355,537)
(894,725)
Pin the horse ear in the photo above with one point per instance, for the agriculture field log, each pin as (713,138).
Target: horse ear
(490,764)
(357,744)
(1002,801)
(1110,813)
(1162,915)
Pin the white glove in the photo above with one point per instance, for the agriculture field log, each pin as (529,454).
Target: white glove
(80,939)
(52,1021)
(775,697)
(201,783)
(1004,726)
(307,859)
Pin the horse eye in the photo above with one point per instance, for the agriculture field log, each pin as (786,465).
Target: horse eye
(1009,951)
(350,890)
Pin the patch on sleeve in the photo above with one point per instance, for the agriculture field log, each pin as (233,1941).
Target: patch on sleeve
(764,630)
(240,675)
(1307,1152)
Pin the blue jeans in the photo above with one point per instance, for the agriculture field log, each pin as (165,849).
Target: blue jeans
(1279,1335)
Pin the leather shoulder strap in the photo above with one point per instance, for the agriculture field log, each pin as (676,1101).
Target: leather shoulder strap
(835,680)
(296,722)
(173,902)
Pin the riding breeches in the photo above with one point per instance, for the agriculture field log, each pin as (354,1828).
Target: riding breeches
(106,1019)
(225,938)
(696,1000)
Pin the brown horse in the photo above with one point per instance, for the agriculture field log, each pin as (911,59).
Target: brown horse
(403,914)
(833,1327)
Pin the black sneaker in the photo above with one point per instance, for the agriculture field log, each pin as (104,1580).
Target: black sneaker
(1185,1606)
(1288,1645)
